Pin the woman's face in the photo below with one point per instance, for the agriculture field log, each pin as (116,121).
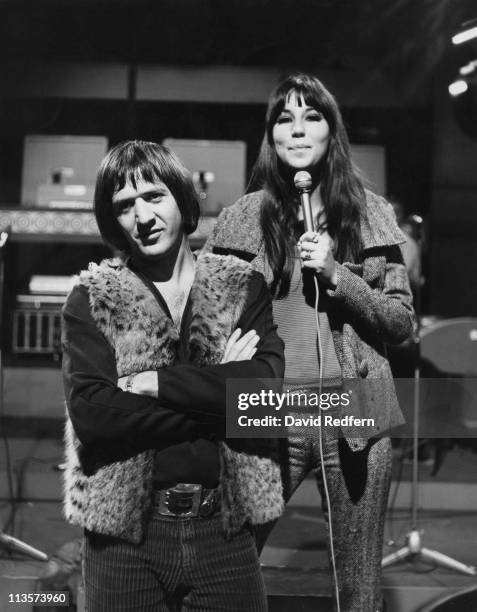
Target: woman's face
(301,134)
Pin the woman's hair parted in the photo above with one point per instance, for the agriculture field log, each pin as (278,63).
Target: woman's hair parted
(135,160)
(341,190)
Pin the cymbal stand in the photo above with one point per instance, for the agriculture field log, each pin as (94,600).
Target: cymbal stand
(414,549)
(7,540)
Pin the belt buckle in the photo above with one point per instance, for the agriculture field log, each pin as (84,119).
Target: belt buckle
(186,495)
(209,504)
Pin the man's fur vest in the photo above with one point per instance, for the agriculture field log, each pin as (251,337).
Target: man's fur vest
(116,499)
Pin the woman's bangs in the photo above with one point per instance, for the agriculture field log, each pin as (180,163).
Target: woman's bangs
(300,92)
(314,100)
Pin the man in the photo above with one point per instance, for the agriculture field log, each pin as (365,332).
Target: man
(149,341)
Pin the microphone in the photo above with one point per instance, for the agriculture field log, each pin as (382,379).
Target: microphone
(302,182)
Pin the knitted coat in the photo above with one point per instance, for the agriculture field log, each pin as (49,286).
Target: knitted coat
(116,499)
(370,306)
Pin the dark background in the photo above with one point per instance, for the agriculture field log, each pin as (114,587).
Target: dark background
(403,42)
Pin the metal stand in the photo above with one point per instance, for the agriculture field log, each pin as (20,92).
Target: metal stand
(19,546)
(414,550)
(7,540)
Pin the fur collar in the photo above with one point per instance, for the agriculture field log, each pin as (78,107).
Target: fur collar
(129,315)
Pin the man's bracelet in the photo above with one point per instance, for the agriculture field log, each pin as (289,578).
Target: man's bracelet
(129,382)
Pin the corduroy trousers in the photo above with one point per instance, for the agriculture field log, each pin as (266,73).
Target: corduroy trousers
(182,564)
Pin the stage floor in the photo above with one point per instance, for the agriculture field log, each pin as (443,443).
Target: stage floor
(295,559)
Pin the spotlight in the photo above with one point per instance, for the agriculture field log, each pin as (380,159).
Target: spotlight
(458,87)
(463,89)
(468,32)
(468,68)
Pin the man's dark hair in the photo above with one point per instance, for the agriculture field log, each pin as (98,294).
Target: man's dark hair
(136,160)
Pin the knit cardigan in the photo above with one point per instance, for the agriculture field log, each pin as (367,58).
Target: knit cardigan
(370,306)
(116,499)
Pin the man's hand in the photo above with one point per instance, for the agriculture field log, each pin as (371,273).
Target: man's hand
(241,348)
(142,383)
(237,349)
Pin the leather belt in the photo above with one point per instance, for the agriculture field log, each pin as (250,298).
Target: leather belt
(186,500)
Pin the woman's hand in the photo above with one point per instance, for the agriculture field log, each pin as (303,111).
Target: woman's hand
(316,252)
(241,348)
(142,383)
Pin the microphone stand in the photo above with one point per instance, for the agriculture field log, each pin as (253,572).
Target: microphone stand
(414,549)
(7,540)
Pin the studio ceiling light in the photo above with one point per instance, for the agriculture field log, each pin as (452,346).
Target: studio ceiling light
(468,68)
(458,87)
(468,32)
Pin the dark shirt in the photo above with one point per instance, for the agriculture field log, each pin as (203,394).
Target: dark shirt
(184,423)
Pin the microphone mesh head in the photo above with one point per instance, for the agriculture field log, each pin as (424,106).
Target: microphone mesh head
(302,181)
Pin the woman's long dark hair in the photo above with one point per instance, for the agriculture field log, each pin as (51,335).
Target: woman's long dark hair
(341,190)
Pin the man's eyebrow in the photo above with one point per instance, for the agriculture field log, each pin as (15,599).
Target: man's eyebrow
(139,194)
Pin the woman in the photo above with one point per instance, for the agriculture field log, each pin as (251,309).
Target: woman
(149,342)
(364,302)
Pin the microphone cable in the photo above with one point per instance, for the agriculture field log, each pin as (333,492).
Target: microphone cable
(322,459)
(303,183)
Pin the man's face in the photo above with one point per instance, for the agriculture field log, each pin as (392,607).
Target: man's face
(149,217)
